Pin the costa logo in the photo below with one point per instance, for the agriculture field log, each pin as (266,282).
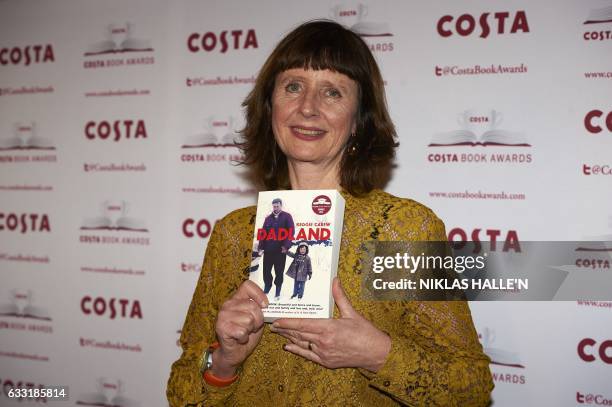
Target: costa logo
(210,41)
(116,130)
(594,121)
(598,16)
(510,240)
(479,158)
(597,35)
(113,308)
(196,227)
(590,350)
(24,222)
(10,384)
(593,263)
(466,24)
(30,54)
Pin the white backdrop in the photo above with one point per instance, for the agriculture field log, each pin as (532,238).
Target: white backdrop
(114,120)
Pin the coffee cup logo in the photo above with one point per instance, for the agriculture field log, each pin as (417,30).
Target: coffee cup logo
(349,14)
(24,131)
(110,392)
(21,299)
(476,121)
(488,337)
(119,33)
(115,210)
(110,388)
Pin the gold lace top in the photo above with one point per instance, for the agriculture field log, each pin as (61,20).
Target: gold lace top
(435,358)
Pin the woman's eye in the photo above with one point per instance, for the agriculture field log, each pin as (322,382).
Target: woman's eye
(334,93)
(292,87)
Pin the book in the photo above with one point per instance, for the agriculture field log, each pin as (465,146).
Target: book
(119,40)
(124,223)
(371,29)
(210,138)
(25,138)
(296,245)
(21,306)
(110,220)
(494,137)
(600,15)
(499,356)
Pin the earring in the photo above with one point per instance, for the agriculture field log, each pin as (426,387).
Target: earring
(354,145)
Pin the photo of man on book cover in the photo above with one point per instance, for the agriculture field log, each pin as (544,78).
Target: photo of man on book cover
(279,224)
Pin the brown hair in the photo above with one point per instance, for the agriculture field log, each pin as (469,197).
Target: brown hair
(317,45)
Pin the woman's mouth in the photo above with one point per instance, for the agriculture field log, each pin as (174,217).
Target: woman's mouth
(307,133)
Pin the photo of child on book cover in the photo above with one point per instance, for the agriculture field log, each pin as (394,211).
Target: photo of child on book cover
(300,269)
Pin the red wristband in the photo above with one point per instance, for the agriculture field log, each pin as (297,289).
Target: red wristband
(214,380)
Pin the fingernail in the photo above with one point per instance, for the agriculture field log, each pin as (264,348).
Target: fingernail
(284,347)
(275,324)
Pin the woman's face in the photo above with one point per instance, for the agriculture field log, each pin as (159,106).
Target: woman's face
(302,249)
(313,114)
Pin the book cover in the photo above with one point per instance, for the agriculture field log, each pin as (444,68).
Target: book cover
(296,244)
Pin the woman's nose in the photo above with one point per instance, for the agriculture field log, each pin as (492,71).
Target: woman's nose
(310,104)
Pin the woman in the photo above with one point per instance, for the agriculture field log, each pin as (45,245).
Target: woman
(317,119)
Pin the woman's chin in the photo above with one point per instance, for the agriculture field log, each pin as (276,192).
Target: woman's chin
(310,159)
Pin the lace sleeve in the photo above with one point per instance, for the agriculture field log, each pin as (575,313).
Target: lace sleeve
(435,357)
(429,365)
(217,281)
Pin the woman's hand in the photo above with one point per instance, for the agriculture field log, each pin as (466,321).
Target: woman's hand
(239,328)
(349,341)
